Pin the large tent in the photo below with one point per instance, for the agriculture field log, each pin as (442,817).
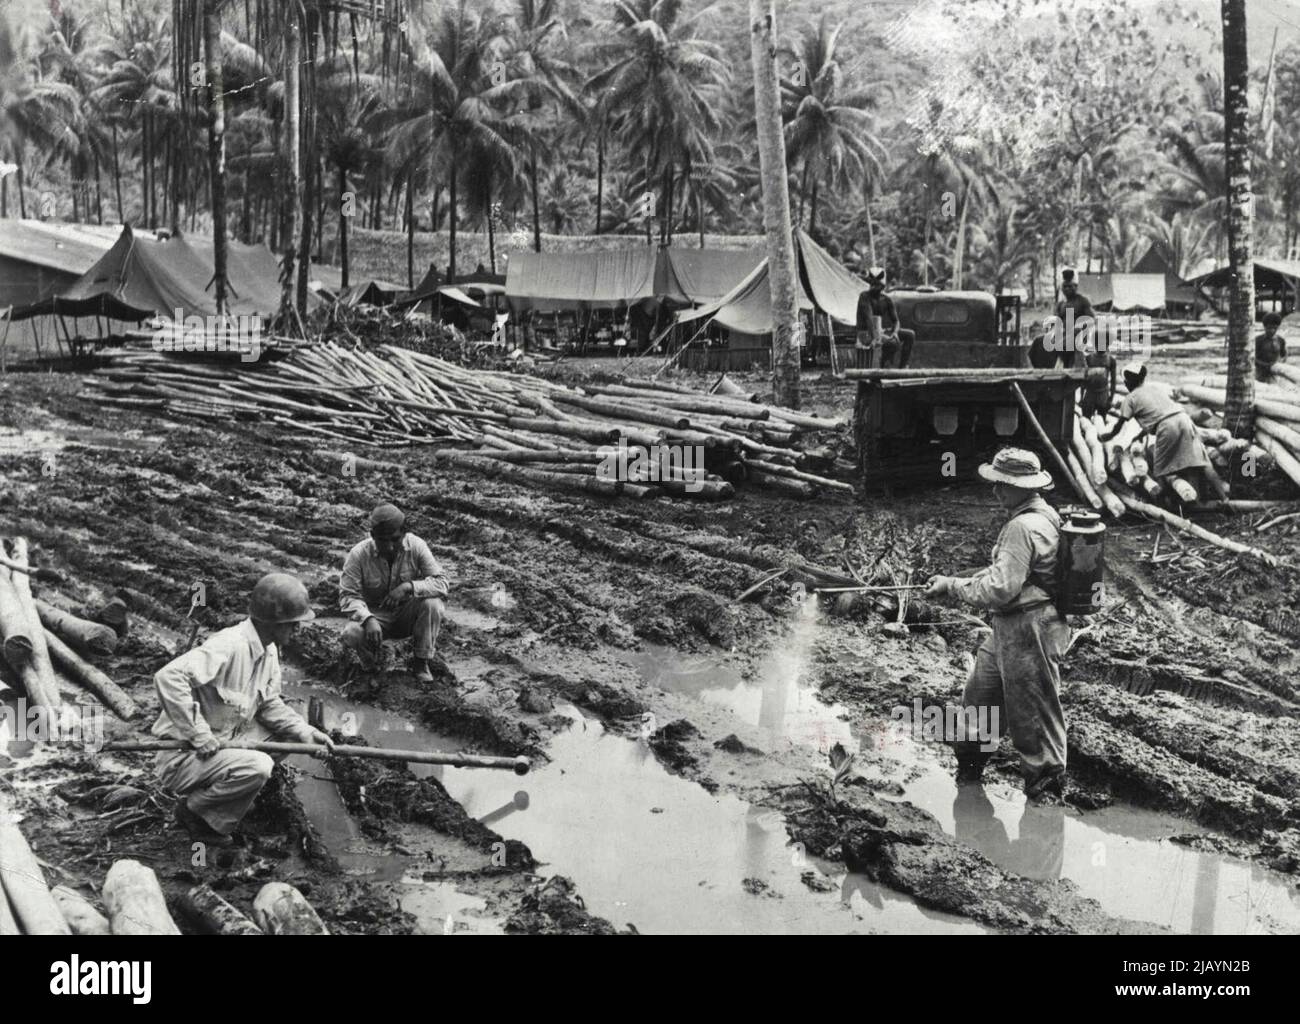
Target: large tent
(1121,293)
(824,285)
(692,277)
(38,258)
(1179,294)
(140,277)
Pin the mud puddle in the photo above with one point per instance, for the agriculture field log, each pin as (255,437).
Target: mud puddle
(30,440)
(642,846)
(1122,856)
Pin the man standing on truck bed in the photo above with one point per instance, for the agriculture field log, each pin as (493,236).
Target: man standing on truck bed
(874,302)
(1018,668)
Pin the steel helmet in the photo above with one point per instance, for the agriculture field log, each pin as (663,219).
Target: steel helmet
(279,597)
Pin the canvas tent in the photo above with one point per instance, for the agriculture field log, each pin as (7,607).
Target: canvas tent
(692,277)
(546,282)
(1122,293)
(140,277)
(370,292)
(1179,294)
(38,258)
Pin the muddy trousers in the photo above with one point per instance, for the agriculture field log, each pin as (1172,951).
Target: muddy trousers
(420,619)
(1018,673)
(221,789)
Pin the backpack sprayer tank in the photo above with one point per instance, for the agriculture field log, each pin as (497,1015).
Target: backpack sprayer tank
(1080,563)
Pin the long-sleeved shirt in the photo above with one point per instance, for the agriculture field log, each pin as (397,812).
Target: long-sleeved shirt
(368,578)
(220,687)
(1024,561)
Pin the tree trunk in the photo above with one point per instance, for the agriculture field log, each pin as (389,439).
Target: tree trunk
(1239,413)
(959,247)
(492,241)
(216,148)
(343,224)
(292,180)
(451,222)
(600,177)
(532,182)
(812,209)
(117,180)
(410,234)
(310,161)
(22,200)
(776,203)
(871,235)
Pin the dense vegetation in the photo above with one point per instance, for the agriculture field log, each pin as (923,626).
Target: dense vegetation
(957,143)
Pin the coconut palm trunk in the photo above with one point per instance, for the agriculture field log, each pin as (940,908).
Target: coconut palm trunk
(343,223)
(216,147)
(292,179)
(776,203)
(1239,411)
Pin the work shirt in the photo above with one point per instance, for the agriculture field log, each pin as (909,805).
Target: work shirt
(1148,406)
(220,687)
(368,578)
(1024,561)
(876,304)
(1269,350)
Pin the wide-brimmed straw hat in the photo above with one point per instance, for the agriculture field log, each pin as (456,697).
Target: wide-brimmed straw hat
(1016,467)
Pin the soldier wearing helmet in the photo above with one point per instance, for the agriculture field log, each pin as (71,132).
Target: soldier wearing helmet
(228,689)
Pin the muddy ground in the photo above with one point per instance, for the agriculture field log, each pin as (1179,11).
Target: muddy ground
(578,614)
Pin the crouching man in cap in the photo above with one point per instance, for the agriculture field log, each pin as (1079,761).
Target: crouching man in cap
(393,587)
(226,690)
(1018,668)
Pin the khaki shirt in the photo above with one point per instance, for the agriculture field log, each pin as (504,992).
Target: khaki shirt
(220,687)
(368,578)
(1026,547)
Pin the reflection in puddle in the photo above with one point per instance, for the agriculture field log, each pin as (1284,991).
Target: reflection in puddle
(643,846)
(1120,856)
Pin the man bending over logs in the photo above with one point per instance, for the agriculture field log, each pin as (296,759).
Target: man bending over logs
(228,688)
(1178,448)
(393,587)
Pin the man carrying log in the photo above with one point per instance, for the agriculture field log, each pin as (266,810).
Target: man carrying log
(393,587)
(1178,448)
(874,302)
(226,689)
(1270,348)
(1018,668)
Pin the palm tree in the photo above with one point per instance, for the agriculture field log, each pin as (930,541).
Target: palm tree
(662,86)
(348,104)
(1002,241)
(828,127)
(1180,240)
(1239,410)
(454,113)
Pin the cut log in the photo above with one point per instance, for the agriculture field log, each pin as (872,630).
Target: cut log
(85,674)
(1185,491)
(8,923)
(1178,522)
(39,667)
(1082,483)
(1098,457)
(1286,462)
(79,912)
(14,631)
(794,488)
(83,635)
(1127,470)
(280,909)
(1113,505)
(1288,435)
(1287,372)
(1218,399)
(214,915)
(135,901)
(33,907)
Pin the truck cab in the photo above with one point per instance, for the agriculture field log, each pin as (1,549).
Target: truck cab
(961,329)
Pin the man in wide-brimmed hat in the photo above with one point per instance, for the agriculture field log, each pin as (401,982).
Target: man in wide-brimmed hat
(1018,668)
(873,302)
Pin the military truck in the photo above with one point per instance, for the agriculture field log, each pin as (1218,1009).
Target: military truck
(932,422)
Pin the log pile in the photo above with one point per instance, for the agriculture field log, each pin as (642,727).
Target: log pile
(509,425)
(1277,423)
(1116,476)
(36,638)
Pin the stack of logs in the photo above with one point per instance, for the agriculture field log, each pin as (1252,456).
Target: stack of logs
(37,638)
(499,423)
(133,901)
(1116,475)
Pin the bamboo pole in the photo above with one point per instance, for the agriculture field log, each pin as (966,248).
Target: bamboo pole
(1046,441)
(1178,522)
(518,765)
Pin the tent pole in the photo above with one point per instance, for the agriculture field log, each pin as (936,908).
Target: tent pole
(4,338)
